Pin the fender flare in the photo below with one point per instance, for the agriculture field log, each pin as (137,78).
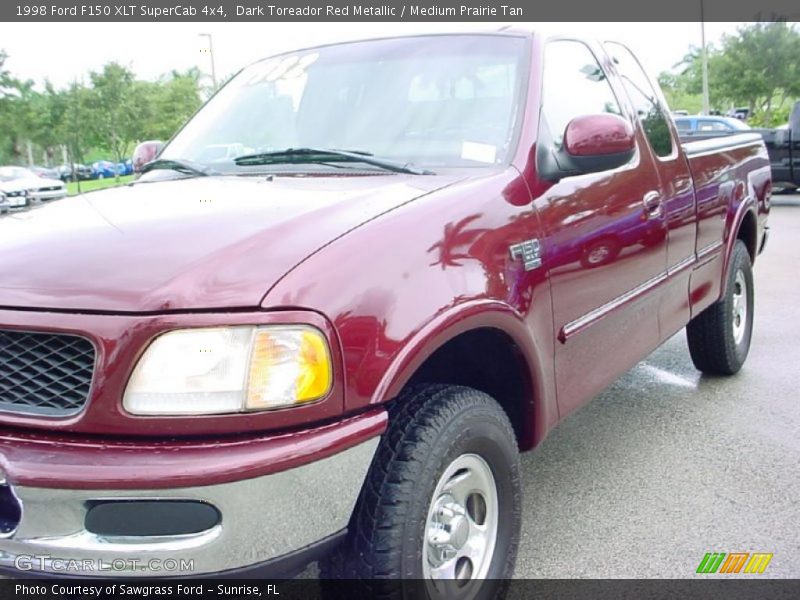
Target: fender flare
(541,411)
(748,205)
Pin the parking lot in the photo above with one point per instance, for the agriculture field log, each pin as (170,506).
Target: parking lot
(667,465)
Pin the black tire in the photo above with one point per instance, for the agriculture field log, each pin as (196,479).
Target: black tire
(430,427)
(713,343)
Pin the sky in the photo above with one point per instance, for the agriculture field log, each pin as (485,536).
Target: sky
(64,53)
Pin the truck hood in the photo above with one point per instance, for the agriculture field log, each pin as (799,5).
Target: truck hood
(201,243)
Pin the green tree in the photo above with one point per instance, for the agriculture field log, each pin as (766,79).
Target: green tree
(76,110)
(12,114)
(104,118)
(678,95)
(49,109)
(179,99)
(758,67)
(115,109)
(170,102)
(687,85)
(5,76)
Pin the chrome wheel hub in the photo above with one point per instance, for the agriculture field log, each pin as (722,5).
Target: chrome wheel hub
(448,530)
(461,528)
(739,307)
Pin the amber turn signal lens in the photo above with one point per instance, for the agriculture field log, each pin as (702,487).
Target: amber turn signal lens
(288,366)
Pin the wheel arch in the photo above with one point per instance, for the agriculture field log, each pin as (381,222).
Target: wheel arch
(518,379)
(745,228)
(747,231)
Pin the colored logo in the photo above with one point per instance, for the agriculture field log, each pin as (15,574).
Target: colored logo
(735,562)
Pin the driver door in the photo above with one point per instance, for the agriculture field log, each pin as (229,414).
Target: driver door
(605,234)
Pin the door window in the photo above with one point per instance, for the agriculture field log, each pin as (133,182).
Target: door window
(574,85)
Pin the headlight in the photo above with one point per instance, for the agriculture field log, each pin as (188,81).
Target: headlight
(17,193)
(230,369)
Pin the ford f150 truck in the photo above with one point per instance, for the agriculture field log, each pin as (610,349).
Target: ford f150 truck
(334,344)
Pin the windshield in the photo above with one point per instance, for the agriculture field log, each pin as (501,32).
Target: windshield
(435,101)
(13,173)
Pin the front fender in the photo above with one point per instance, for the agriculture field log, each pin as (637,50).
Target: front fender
(405,283)
(540,411)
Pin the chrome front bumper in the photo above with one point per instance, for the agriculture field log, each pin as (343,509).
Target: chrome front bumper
(15,202)
(261,519)
(40,195)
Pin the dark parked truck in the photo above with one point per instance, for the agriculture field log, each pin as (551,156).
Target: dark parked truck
(333,344)
(783,145)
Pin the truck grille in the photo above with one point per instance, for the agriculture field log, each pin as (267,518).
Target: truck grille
(44,373)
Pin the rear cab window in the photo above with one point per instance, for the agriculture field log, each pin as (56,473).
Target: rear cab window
(649,111)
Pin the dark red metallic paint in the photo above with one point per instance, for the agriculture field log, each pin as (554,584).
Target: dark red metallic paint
(186,245)
(596,135)
(61,460)
(394,270)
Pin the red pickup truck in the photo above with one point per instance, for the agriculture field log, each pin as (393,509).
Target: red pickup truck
(331,312)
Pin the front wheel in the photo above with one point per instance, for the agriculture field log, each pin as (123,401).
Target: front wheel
(439,514)
(719,337)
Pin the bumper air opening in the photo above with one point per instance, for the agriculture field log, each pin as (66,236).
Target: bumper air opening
(10,510)
(148,518)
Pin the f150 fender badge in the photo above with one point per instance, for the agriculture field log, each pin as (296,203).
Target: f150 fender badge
(530,251)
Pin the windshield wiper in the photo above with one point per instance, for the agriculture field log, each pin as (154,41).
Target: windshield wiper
(323,155)
(180,165)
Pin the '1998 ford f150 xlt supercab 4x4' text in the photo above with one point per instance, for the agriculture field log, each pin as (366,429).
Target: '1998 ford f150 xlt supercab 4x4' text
(338,303)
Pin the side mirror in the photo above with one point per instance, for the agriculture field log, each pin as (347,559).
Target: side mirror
(144,153)
(591,143)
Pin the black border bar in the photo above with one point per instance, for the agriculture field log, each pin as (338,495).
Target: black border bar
(505,11)
(741,588)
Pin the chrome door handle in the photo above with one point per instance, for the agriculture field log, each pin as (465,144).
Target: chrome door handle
(652,204)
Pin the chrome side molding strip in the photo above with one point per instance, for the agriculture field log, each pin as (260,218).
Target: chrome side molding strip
(598,313)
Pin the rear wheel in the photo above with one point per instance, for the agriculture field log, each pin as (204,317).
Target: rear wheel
(719,337)
(439,514)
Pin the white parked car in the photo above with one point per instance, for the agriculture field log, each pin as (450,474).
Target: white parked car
(16,179)
(12,196)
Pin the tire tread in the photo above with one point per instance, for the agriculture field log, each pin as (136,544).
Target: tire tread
(709,335)
(416,419)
